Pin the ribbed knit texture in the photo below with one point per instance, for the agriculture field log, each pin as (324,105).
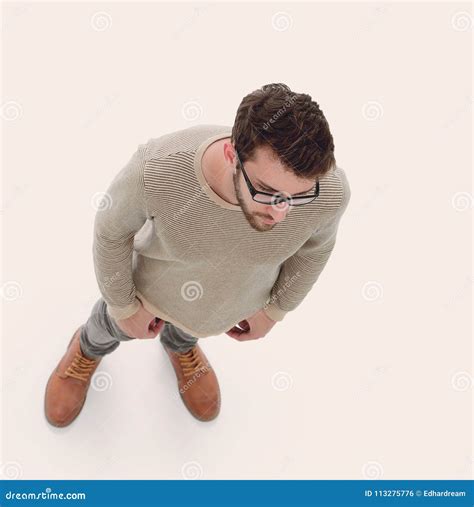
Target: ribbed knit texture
(192,258)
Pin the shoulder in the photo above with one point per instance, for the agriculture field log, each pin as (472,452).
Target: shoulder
(185,140)
(334,192)
(345,188)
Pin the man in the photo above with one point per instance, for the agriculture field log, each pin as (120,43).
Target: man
(208,230)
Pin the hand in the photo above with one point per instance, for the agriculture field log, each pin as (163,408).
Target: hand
(142,324)
(254,327)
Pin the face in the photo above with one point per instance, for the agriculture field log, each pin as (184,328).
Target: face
(268,175)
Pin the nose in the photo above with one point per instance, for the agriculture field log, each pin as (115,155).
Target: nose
(278,212)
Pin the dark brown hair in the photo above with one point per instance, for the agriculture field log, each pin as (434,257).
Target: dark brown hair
(291,124)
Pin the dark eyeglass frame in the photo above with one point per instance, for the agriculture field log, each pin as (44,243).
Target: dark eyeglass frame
(290,200)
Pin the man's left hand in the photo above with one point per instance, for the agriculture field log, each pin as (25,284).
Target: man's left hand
(254,327)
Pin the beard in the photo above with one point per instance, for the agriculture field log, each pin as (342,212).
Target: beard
(251,218)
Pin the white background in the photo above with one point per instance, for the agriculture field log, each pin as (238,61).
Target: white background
(371,377)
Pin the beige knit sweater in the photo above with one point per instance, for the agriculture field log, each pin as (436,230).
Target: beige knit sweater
(163,235)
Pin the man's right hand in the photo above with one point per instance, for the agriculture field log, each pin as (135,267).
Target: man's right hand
(142,324)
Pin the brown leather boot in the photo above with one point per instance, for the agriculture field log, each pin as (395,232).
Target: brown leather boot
(197,382)
(67,386)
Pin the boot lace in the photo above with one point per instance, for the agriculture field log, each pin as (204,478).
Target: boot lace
(191,363)
(81,367)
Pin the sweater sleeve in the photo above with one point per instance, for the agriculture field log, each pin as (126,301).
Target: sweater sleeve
(300,272)
(120,216)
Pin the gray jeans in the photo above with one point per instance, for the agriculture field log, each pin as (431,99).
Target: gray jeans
(100,335)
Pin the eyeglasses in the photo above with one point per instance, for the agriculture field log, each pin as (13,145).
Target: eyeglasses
(277,197)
